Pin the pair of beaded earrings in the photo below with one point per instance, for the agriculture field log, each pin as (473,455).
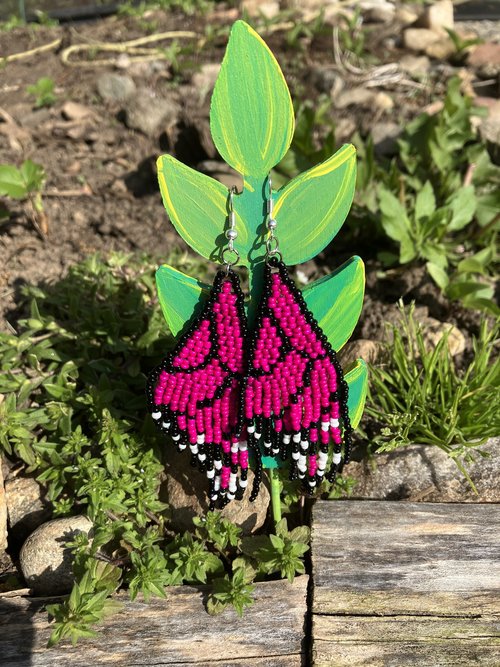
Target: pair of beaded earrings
(278,391)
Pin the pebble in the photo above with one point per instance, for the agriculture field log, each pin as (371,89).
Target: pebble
(368,350)
(75,111)
(419,39)
(45,562)
(255,8)
(486,59)
(150,114)
(26,505)
(416,66)
(377,11)
(185,490)
(115,87)
(438,16)
(354,97)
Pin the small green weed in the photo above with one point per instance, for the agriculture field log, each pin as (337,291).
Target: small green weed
(74,410)
(43,92)
(419,396)
(27,182)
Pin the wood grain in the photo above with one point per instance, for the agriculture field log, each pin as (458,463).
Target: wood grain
(176,631)
(400,583)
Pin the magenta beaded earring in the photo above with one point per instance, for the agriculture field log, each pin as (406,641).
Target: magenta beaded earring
(194,394)
(295,399)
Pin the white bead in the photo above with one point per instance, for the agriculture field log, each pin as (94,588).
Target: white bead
(325,426)
(156,415)
(313,483)
(214,497)
(301,475)
(337,458)
(304,445)
(320,472)
(200,438)
(322,457)
(166,425)
(334,423)
(257,435)
(267,445)
(211,474)
(243,483)
(295,456)
(286,438)
(251,428)
(202,457)
(234,447)
(176,438)
(302,468)
(230,496)
(232,478)
(232,488)
(217,483)
(182,447)
(194,449)
(218,464)
(275,450)
(296,437)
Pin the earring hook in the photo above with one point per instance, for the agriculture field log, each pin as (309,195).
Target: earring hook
(231,234)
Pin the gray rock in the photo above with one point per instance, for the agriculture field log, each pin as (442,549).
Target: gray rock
(115,87)
(415,65)
(26,506)
(419,39)
(437,16)
(3,513)
(426,472)
(378,11)
(150,114)
(185,490)
(361,97)
(385,138)
(45,561)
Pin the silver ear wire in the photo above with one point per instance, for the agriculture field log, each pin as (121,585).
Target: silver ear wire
(272,244)
(231,234)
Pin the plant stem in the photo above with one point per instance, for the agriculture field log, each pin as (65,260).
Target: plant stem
(275,494)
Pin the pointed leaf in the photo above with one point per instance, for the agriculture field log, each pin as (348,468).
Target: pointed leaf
(197,206)
(251,115)
(179,295)
(336,301)
(311,209)
(357,379)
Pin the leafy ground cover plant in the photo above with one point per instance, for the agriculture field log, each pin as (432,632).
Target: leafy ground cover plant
(25,183)
(419,396)
(72,380)
(43,92)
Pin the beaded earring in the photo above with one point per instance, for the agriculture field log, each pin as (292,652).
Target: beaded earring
(194,394)
(295,399)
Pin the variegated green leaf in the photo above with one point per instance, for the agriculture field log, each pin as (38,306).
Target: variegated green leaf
(336,301)
(311,209)
(179,295)
(357,379)
(251,115)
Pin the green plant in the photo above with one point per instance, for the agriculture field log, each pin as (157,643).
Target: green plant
(27,182)
(43,92)
(74,412)
(461,45)
(418,395)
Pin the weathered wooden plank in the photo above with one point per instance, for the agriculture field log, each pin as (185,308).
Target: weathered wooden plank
(402,640)
(176,631)
(378,557)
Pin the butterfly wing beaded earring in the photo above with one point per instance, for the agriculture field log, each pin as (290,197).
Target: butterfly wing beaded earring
(194,393)
(295,399)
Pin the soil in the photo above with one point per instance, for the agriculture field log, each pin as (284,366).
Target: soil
(101,190)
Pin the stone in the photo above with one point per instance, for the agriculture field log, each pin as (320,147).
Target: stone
(438,16)
(75,111)
(115,87)
(362,97)
(26,506)
(344,129)
(377,11)
(426,472)
(441,50)
(36,118)
(185,490)
(416,66)
(405,15)
(385,138)
(419,39)
(45,562)
(255,8)
(3,513)
(368,350)
(204,80)
(485,58)
(150,114)
(383,101)
(433,330)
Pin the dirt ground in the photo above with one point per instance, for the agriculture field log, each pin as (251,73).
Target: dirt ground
(101,190)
